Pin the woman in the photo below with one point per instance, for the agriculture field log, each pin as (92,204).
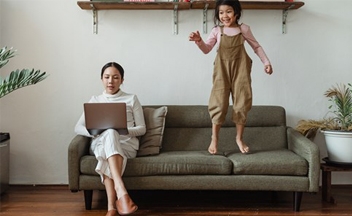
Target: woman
(112,149)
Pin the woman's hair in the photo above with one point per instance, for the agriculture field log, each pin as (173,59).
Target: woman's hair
(115,65)
(235,4)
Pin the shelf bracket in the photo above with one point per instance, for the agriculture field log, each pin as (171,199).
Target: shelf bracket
(95,19)
(175,19)
(284,18)
(205,13)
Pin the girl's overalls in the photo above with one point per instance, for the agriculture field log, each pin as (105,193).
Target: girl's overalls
(232,74)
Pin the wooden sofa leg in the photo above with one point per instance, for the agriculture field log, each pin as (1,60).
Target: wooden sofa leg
(297,198)
(88,198)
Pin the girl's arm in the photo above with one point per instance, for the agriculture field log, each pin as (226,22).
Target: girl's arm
(247,34)
(209,44)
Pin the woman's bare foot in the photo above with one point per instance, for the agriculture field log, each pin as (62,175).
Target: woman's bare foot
(213,147)
(242,146)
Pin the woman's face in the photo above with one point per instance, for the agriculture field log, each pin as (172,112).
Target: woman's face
(227,15)
(112,80)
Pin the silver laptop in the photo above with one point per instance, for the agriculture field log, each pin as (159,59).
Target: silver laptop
(102,116)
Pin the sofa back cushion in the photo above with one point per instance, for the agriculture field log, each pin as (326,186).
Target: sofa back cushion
(188,128)
(150,142)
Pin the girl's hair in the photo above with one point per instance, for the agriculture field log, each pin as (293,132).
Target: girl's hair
(235,4)
(115,65)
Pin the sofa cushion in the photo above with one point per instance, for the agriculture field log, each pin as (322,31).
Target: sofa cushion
(179,163)
(188,128)
(150,142)
(275,162)
(169,163)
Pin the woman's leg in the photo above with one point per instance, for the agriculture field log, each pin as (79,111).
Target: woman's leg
(115,165)
(239,139)
(213,147)
(111,195)
(124,203)
(110,192)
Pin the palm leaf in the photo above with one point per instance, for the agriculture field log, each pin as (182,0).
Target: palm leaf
(5,55)
(19,79)
(341,97)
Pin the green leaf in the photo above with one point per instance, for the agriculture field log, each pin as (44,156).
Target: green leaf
(18,79)
(5,55)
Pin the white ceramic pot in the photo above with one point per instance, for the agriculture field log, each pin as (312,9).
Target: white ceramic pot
(339,146)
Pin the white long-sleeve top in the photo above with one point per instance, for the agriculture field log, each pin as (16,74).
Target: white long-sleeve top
(135,118)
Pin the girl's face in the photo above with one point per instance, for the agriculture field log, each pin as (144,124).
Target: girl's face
(112,80)
(227,16)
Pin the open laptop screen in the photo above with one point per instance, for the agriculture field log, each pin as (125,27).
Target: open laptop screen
(102,116)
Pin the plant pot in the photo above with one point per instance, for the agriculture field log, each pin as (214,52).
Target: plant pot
(339,146)
(4,161)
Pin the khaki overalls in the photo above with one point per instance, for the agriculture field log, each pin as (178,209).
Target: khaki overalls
(232,74)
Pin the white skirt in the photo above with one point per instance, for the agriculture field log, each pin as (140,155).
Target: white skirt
(107,145)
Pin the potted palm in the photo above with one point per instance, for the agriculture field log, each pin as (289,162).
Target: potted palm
(16,79)
(337,128)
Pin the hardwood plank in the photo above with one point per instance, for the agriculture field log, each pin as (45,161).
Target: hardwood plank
(60,201)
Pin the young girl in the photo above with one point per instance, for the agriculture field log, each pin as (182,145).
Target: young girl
(232,69)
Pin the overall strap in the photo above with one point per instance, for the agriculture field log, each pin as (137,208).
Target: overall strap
(239,26)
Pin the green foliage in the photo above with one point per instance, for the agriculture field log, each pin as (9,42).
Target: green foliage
(341,98)
(18,78)
(5,55)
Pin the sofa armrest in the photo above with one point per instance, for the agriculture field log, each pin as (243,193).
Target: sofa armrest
(78,147)
(308,150)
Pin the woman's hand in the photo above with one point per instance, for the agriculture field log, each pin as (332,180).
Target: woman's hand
(268,69)
(195,36)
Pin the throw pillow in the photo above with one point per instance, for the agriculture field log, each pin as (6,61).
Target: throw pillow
(150,142)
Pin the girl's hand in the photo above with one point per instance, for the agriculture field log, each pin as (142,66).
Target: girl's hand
(195,36)
(268,69)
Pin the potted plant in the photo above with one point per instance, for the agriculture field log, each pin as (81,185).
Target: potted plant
(337,128)
(16,79)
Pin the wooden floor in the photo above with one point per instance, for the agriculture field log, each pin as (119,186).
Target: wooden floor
(58,200)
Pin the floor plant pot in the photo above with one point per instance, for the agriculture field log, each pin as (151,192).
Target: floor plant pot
(4,161)
(339,146)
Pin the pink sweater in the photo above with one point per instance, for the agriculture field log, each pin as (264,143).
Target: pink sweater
(215,36)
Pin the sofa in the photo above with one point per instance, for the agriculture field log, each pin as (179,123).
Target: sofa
(173,155)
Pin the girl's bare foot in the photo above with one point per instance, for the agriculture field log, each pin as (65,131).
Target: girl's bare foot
(213,147)
(242,146)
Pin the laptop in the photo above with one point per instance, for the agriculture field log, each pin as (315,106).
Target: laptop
(102,116)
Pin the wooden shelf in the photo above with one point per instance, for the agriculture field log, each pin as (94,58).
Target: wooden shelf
(176,6)
(99,5)
(253,5)
(250,5)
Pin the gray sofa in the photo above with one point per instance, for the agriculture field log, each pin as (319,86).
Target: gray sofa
(281,159)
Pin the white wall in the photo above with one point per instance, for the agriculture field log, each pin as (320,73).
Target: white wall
(0,22)
(161,68)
